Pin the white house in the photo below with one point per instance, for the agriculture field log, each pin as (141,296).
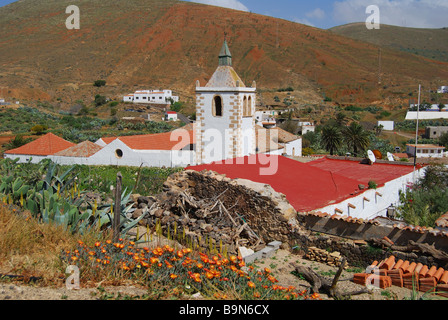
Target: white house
(151,96)
(425,150)
(387,125)
(170,116)
(443,89)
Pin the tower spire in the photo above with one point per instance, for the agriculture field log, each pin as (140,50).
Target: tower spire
(225,57)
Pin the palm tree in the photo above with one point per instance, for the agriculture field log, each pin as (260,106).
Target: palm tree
(356,137)
(331,138)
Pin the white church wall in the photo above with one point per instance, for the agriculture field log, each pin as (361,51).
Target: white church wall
(374,202)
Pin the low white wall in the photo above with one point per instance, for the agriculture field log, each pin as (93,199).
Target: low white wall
(380,199)
(426,115)
(25,158)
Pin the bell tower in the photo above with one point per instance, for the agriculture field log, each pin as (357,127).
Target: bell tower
(225,114)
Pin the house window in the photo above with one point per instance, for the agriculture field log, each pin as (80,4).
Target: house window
(217,106)
(119,153)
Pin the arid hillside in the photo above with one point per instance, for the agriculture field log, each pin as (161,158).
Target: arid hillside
(148,44)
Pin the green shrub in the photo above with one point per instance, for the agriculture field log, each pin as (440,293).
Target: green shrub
(99,83)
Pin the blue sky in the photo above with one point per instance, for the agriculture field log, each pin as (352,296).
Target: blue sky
(329,13)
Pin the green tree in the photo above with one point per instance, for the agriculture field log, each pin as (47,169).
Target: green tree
(356,138)
(331,138)
(17,142)
(443,140)
(99,83)
(100,100)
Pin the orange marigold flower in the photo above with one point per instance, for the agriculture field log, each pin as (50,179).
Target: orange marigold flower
(257,295)
(91,253)
(209,275)
(200,265)
(267,270)
(180,254)
(233,259)
(251,284)
(74,258)
(108,241)
(173,276)
(97,244)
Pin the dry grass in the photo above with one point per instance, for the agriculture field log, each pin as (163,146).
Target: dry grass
(32,249)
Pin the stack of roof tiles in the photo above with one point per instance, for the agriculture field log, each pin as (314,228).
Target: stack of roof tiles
(441,223)
(405,274)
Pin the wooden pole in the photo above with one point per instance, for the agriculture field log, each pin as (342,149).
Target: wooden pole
(117,209)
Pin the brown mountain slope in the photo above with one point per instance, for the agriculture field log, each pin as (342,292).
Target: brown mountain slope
(170,44)
(429,43)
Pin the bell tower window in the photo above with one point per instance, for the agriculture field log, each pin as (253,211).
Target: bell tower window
(217,106)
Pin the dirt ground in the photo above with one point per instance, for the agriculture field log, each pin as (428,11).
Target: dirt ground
(280,264)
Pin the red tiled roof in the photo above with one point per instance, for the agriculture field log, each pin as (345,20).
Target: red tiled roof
(378,172)
(84,149)
(159,141)
(309,186)
(46,145)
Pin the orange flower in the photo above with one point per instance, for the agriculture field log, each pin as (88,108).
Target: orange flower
(173,276)
(209,275)
(257,295)
(251,284)
(233,259)
(200,265)
(97,244)
(153,260)
(74,258)
(91,253)
(267,270)
(180,254)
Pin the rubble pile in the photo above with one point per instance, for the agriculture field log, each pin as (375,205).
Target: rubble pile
(323,256)
(211,210)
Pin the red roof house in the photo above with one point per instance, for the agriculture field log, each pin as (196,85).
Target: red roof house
(313,185)
(46,145)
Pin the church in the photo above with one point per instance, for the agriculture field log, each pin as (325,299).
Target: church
(225,129)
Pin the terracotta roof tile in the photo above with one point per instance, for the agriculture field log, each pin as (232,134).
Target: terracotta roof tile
(159,141)
(84,149)
(46,145)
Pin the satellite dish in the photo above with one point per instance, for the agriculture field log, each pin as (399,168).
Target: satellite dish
(390,157)
(378,154)
(371,156)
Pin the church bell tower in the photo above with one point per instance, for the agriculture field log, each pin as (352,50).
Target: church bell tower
(225,114)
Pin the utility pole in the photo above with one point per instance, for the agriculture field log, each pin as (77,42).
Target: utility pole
(379,65)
